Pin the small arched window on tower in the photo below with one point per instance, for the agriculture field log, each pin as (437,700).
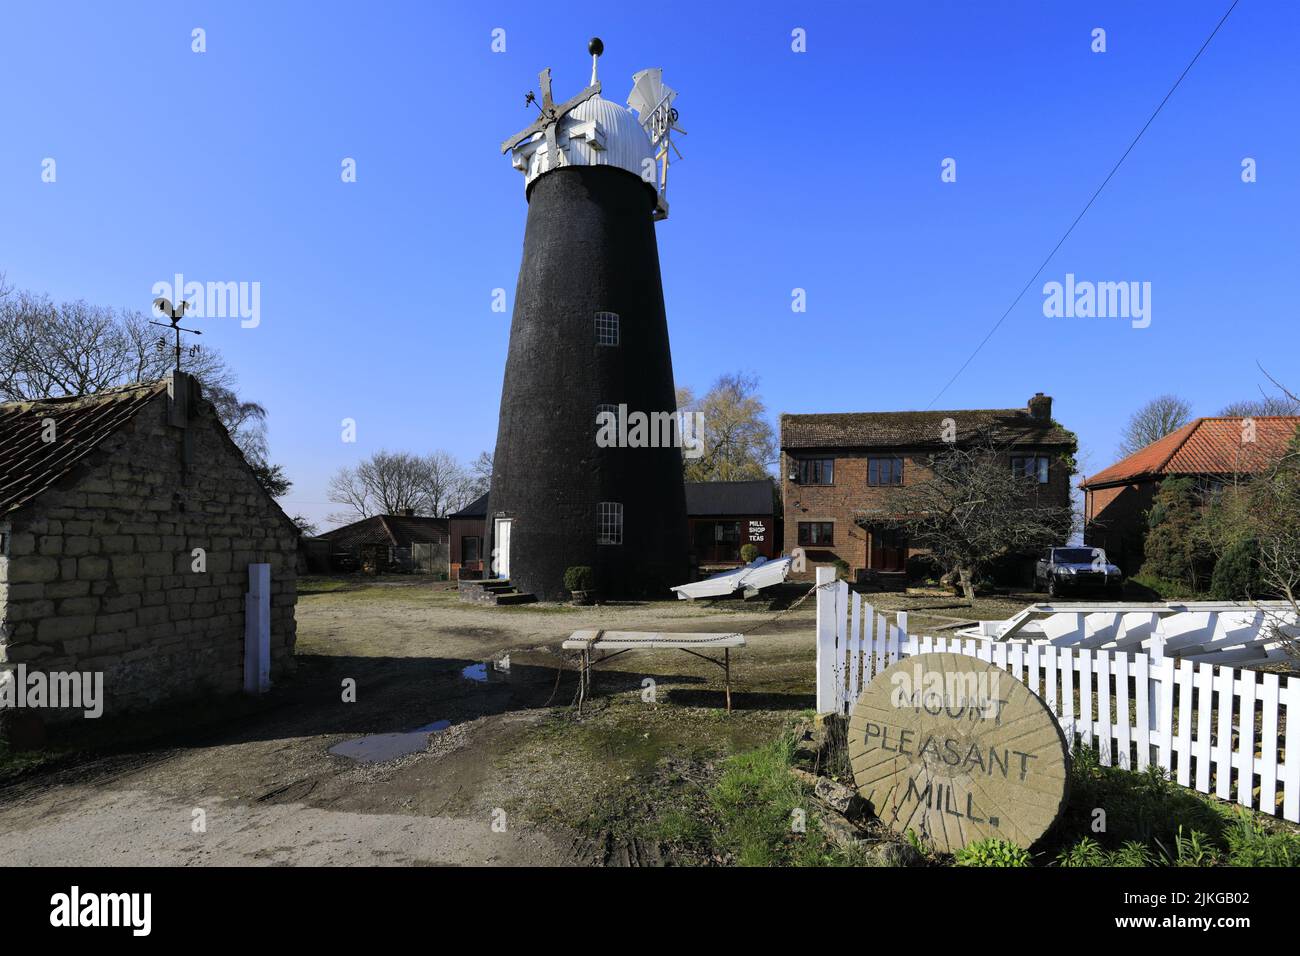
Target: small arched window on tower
(607,328)
(611,523)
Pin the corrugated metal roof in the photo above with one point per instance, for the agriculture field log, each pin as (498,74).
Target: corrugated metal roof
(1206,446)
(596,132)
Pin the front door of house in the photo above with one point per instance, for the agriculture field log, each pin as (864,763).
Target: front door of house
(501,548)
(888,550)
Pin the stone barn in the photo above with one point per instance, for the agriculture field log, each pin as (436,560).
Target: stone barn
(128,523)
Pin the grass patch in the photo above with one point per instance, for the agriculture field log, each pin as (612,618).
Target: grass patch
(1152,821)
(758,804)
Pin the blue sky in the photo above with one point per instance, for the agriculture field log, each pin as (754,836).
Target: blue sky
(816,170)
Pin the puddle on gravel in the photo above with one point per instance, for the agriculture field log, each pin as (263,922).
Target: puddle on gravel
(481,673)
(378,748)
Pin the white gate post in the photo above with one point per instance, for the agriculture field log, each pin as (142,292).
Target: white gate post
(827,647)
(257,630)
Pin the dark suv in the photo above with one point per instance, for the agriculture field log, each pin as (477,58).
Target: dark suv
(1062,570)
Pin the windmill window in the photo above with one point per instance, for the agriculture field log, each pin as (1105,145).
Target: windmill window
(611,523)
(607,328)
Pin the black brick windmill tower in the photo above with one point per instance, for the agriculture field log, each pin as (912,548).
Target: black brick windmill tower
(589,338)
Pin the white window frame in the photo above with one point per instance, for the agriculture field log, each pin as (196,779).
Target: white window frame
(608,327)
(609,523)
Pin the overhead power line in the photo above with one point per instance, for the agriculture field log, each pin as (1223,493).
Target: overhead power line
(1087,206)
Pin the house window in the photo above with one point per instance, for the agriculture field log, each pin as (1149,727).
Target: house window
(470,549)
(816,532)
(607,328)
(1030,466)
(817,471)
(611,523)
(884,471)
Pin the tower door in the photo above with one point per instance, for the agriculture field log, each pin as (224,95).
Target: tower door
(501,548)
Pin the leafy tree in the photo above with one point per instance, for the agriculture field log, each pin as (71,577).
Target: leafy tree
(1153,421)
(1236,573)
(739,442)
(1176,546)
(970,510)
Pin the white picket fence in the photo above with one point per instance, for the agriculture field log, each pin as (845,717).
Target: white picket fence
(1219,730)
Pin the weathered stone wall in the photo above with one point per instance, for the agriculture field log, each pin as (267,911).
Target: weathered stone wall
(100,570)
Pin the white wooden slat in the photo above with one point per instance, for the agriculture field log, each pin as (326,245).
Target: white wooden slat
(1204,711)
(870,652)
(1065,659)
(1049,678)
(1142,690)
(881,640)
(1291,769)
(1105,730)
(1165,716)
(895,646)
(1123,723)
(1000,650)
(855,647)
(1186,709)
(1018,661)
(1223,742)
(1246,738)
(1270,704)
(1085,696)
(827,699)
(1032,668)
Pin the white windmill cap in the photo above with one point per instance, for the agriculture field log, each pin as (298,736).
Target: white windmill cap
(596,132)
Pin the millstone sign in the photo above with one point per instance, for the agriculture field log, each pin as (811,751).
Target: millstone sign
(589,341)
(957,750)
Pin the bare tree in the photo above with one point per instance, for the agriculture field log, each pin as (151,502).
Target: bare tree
(1153,421)
(738,440)
(479,477)
(971,509)
(393,482)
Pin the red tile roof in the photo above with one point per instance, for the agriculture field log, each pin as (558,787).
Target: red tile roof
(29,465)
(1206,446)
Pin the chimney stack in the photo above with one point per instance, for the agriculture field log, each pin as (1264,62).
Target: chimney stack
(1040,407)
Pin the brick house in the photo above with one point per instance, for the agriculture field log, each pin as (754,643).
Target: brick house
(103,502)
(838,469)
(405,542)
(1210,450)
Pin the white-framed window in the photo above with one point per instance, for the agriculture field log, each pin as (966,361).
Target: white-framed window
(607,328)
(611,523)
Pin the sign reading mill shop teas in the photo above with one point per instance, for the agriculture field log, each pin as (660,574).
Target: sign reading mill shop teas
(956,750)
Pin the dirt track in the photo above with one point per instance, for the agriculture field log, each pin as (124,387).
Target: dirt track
(270,791)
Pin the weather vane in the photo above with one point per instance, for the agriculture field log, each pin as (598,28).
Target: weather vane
(165,308)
